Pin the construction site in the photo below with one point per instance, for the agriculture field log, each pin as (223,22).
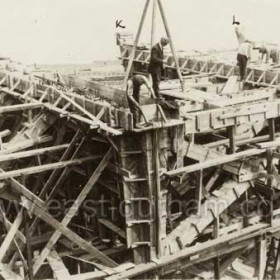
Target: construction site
(192,192)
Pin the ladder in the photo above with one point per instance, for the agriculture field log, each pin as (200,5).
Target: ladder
(272,259)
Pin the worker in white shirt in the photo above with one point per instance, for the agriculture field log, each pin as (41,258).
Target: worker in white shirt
(243,55)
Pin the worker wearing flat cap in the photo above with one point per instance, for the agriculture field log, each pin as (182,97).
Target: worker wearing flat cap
(134,84)
(156,65)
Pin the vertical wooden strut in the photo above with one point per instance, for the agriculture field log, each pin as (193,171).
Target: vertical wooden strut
(28,245)
(135,43)
(231,135)
(154,17)
(261,251)
(153,30)
(158,192)
(217,272)
(269,154)
(171,43)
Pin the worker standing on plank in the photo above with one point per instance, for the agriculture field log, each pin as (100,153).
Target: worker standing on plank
(270,51)
(156,65)
(243,55)
(133,96)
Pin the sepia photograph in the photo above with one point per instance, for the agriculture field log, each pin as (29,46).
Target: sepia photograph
(139,139)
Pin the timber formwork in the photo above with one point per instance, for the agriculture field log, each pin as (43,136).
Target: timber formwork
(86,196)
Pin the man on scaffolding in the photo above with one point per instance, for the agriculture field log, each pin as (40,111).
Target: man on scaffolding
(133,96)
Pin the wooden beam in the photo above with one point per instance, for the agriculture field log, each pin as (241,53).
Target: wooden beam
(153,30)
(199,187)
(132,54)
(232,141)
(71,213)
(226,263)
(24,144)
(8,226)
(8,274)
(11,234)
(19,107)
(261,251)
(25,191)
(19,155)
(65,172)
(58,267)
(28,245)
(214,162)
(46,167)
(113,227)
(54,174)
(158,200)
(5,133)
(164,19)
(269,144)
(213,179)
(216,234)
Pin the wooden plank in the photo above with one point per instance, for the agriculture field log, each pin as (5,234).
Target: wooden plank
(58,267)
(214,162)
(71,213)
(231,86)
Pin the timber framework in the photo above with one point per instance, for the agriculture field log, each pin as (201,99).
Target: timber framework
(85,195)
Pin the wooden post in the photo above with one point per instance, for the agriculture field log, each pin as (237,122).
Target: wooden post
(217,274)
(245,211)
(231,135)
(28,245)
(269,159)
(153,31)
(261,250)
(199,190)
(135,43)
(271,127)
(154,16)
(158,192)
(269,153)
(171,43)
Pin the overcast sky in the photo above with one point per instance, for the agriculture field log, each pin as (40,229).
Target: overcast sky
(80,31)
